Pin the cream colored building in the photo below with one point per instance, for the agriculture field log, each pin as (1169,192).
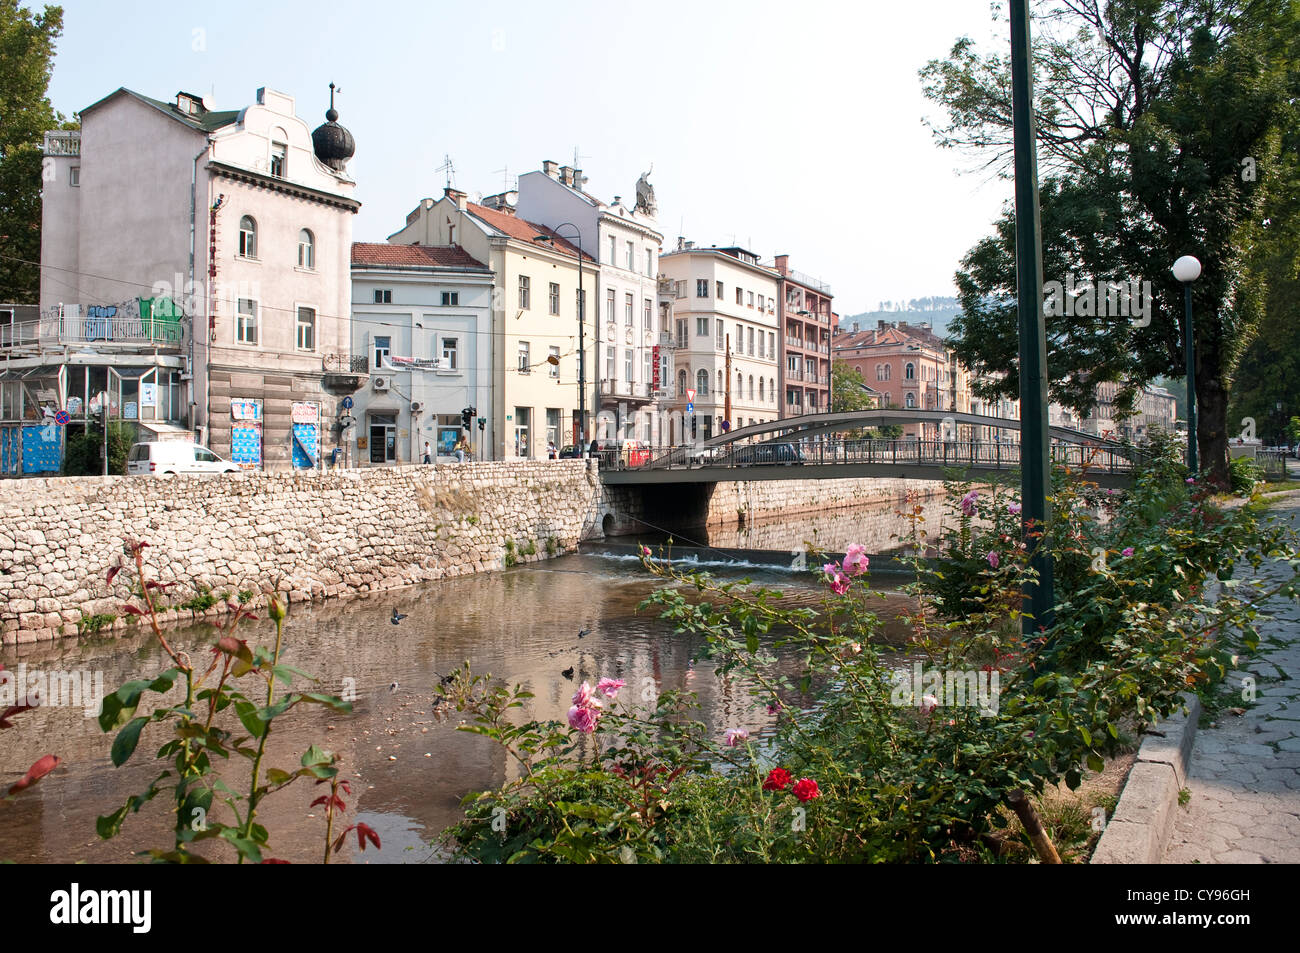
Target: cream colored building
(535,318)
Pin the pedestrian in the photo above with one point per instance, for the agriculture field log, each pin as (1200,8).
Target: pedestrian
(428,453)
(462,448)
(551,452)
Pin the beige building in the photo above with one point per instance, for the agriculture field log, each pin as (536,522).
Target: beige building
(535,320)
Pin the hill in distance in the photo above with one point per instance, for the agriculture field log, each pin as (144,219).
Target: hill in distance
(935,310)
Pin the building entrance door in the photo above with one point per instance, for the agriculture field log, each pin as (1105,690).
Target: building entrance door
(383,438)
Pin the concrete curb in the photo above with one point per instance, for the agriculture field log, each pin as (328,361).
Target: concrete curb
(1144,818)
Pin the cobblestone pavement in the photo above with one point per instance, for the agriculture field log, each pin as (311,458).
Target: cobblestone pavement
(1245,773)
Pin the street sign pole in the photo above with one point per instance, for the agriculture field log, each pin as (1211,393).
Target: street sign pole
(1034,447)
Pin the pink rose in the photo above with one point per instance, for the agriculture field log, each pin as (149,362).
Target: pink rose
(735,736)
(1013,509)
(993,559)
(583,719)
(645,550)
(582,697)
(855,560)
(1128,551)
(928,704)
(840,584)
(968,502)
(1191,480)
(609,686)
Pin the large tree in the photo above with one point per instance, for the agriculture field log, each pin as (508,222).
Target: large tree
(26,60)
(1160,127)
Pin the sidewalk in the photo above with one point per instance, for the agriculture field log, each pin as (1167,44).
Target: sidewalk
(1244,777)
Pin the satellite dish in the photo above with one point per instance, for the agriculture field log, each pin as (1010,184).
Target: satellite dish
(478,198)
(207,103)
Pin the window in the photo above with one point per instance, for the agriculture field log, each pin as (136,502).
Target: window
(383,296)
(771,389)
(74,176)
(679,289)
(701,287)
(610,358)
(383,347)
(279,159)
(648,365)
(771,345)
(613,254)
(649,262)
(627,309)
(702,327)
(449,357)
(306,249)
(910,399)
(717,290)
(306,339)
(792,364)
(760,302)
(555,297)
(701,383)
(631,256)
(627,365)
(609,305)
(681,332)
(720,339)
(247,237)
(740,295)
(450,298)
(749,341)
(750,297)
(525,364)
(681,383)
(740,338)
(555,364)
(909,371)
(751,387)
(762,397)
(882,372)
(740,386)
(246,322)
(719,383)
(524,295)
(647,314)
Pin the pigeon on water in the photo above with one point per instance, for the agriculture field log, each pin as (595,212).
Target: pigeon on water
(568,673)
(583,633)
(397,616)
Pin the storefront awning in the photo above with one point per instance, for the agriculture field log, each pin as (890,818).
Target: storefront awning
(153,430)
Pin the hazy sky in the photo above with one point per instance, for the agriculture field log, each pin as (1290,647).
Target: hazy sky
(786,127)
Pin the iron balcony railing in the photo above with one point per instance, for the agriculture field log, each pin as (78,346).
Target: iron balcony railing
(122,329)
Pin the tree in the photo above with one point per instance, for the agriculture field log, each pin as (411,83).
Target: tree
(848,389)
(1146,110)
(26,60)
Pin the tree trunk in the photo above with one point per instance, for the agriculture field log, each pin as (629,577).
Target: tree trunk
(1212,427)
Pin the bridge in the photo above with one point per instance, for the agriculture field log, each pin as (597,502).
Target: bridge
(810,447)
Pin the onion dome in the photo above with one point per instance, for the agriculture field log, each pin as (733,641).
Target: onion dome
(332,143)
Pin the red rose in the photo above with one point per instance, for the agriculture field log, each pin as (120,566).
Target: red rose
(806,789)
(778,779)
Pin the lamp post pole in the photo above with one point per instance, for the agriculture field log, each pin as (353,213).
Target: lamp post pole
(1187,269)
(582,340)
(1038,593)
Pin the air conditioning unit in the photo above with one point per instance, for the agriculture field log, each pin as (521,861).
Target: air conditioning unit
(417,406)
(379,383)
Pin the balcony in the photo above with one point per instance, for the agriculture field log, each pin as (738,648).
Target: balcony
(100,326)
(669,340)
(63,142)
(345,372)
(625,390)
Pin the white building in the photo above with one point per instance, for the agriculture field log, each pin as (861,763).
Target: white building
(724,314)
(633,360)
(204,253)
(422,315)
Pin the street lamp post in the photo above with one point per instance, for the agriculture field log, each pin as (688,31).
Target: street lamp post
(582,336)
(1187,269)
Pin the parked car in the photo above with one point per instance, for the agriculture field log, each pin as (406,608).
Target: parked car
(570,453)
(167,458)
(768,454)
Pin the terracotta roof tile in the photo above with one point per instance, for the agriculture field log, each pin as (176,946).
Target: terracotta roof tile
(522,229)
(425,256)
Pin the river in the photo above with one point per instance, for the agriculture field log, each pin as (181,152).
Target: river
(408,764)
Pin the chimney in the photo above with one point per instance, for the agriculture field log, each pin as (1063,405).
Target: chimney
(550,167)
(690,245)
(456,196)
(681,242)
(783,264)
(880,325)
(566,174)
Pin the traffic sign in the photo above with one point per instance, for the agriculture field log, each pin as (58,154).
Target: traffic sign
(347,403)
(690,407)
(346,421)
(62,418)
(690,396)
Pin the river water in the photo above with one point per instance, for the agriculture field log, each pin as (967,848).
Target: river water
(408,764)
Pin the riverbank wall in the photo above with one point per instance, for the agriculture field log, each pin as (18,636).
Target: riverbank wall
(312,536)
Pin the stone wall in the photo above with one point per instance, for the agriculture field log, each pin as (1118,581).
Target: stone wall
(760,500)
(315,536)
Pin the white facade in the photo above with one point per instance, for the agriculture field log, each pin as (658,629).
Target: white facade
(630,340)
(425,331)
(715,305)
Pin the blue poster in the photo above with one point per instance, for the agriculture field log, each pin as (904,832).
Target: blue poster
(246,445)
(447,438)
(42,449)
(305,446)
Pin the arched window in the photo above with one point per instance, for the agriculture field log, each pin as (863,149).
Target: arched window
(740,386)
(910,371)
(762,390)
(771,389)
(306,249)
(721,386)
(751,387)
(247,237)
(701,383)
(910,399)
(681,382)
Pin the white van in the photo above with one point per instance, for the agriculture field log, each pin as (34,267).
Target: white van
(170,457)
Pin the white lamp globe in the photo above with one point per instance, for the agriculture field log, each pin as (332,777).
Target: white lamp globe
(1186,269)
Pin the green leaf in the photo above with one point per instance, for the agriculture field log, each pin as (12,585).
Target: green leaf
(1095,763)
(119,707)
(126,740)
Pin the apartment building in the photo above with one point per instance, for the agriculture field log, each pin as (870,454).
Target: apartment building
(805,319)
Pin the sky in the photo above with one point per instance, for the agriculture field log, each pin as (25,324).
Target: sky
(786,128)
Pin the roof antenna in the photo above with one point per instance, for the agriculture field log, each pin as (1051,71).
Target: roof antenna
(447,167)
(505,177)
